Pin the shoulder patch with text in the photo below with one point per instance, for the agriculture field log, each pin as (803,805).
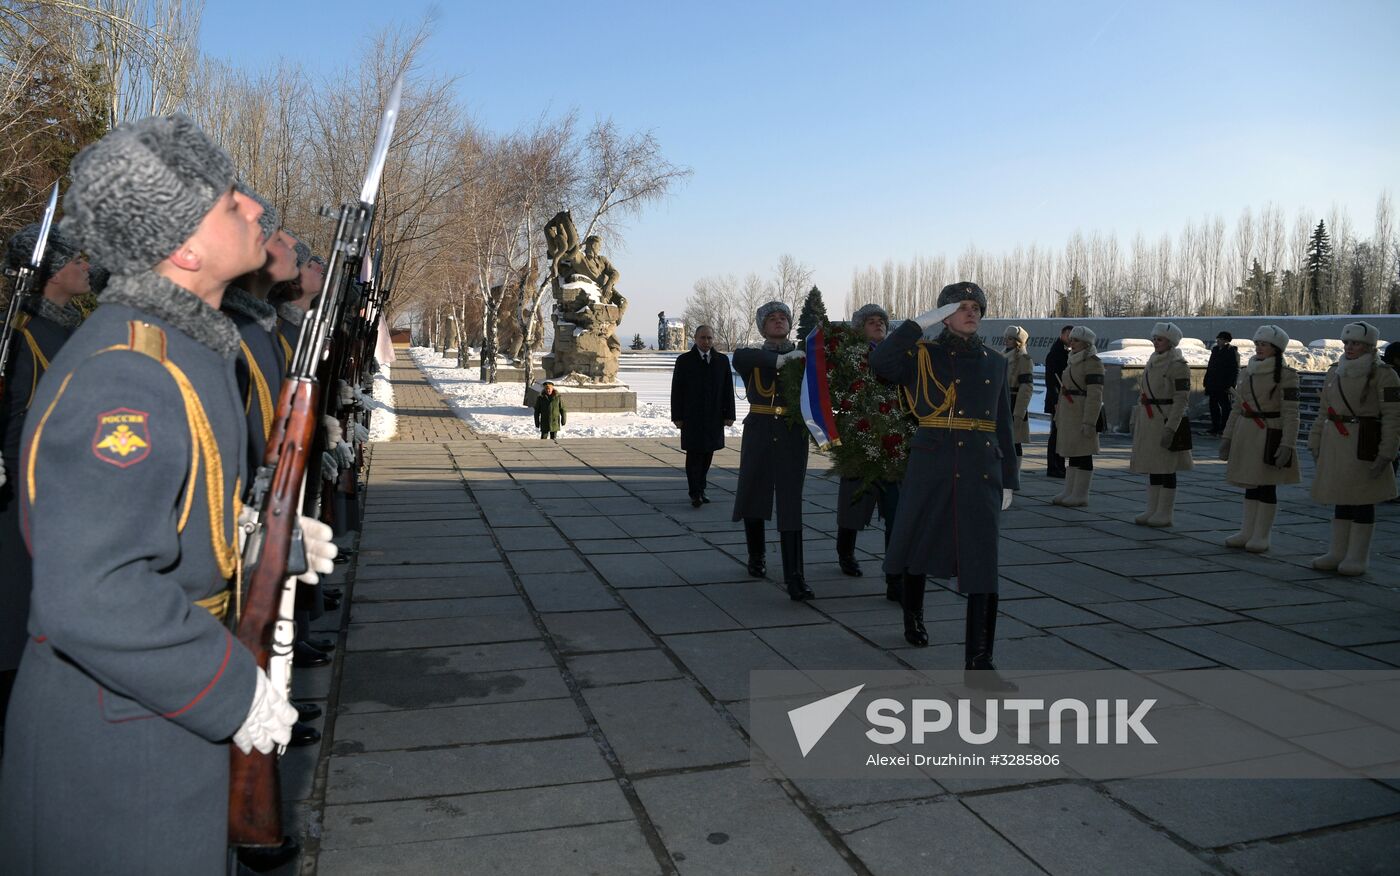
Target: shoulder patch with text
(123,437)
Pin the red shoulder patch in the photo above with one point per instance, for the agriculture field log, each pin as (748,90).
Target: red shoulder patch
(123,437)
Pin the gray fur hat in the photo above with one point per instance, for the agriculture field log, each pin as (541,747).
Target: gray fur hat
(1083,333)
(303,253)
(772,307)
(1272,334)
(269,221)
(98,278)
(142,190)
(860,316)
(964,291)
(59,252)
(1017,334)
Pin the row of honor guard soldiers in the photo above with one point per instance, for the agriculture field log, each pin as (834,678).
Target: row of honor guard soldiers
(130,438)
(972,406)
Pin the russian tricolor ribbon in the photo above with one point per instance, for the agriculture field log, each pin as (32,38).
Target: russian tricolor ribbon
(816,393)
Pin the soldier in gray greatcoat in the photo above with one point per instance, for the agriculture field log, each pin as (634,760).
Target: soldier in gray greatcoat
(131,684)
(38,334)
(962,468)
(773,451)
(855,509)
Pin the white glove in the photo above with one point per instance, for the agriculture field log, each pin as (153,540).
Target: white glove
(269,722)
(320,550)
(361,433)
(346,454)
(332,428)
(1006,499)
(2,471)
(330,466)
(345,394)
(931,318)
(791,355)
(361,399)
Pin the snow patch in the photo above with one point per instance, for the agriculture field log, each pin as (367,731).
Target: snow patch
(383,421)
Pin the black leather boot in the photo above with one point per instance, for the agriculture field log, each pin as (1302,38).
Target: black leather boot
(912,599)
(793,577)
(894,587)
(846,552)
(753,533)
(980,672)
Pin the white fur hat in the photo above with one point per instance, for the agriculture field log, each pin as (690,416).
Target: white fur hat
(1082,333)
(1361,331)
(1272,334)
(1016,333)
(1167,330)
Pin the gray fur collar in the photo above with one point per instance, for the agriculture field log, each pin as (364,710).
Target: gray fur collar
(67,316)
(261,312)
(291,313)
(154,294)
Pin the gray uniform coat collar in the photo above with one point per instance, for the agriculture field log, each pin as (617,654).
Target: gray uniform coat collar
(261,312)
(154,294)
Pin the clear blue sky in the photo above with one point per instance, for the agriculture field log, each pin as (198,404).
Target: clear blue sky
(846,134)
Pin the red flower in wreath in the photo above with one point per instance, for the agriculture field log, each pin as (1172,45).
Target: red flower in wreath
(857,385)
(892,441)
(886,407)
(845,404)
(862,425)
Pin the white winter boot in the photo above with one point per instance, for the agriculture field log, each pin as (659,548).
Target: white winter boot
(1154,493)
(1080,497)
(1358,550)
(1259,542)
(1251,512)
(1064,494)
(1165,504)
(1341,534)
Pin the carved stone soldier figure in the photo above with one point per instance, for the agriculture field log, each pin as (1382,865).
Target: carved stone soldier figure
(962,468)
(773,450)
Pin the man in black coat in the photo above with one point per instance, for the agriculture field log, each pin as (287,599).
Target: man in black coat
(1055,362)
(1221,373)
(702,405)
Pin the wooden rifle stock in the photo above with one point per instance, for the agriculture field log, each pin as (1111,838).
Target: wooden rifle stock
(254,810)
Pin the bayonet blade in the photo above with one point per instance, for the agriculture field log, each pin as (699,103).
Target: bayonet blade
(370,190)
(36,258)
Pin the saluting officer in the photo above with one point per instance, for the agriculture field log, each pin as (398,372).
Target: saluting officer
(1354,438)
(1020,383)
(773,451)
(962,468)
(1077,416)
(38,335)
(854,514)
(1260,437)
(131,686)
(1159,422)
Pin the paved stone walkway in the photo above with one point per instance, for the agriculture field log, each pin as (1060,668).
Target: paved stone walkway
(546,656)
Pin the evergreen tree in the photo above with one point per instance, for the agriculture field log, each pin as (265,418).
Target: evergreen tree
(813,314)
(1074,301)
(1258,292)
(1318,270)
(638,343)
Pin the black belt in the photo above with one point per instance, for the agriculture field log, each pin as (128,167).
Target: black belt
(1156,401)
(1074,392)
(1265,415)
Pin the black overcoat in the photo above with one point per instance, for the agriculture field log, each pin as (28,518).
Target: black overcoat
(950,500)
(773,451)
(35,343)
(702,398)
(1055,363)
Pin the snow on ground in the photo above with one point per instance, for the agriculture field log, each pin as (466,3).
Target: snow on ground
(383,422)
(498,409)
(1134,354)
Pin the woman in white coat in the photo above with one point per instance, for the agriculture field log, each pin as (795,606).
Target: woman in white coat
(1159,424)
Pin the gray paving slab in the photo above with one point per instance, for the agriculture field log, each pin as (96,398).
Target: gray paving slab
(463,549)
(931,837)
(1061,827)
(1046,612)
(1366,630)
(696,734)
(706,566)
(621,667)
(1211,813)
(457,725)
(1172,612)
(667,610)
(596,631)
(726,821)
(615,849)
(481,579)
(401,775)
(437,632)
(1131,649)
(826,646)
(463,571)
(1366,850)
(362,825)
(545,559)
(1295,646)
(567,591)
(419,609)
(428,533)
(629,570)
(526,538)
(722,661)
(377,681)
(1226,650)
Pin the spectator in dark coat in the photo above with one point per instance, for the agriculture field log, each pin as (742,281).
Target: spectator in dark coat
(550,414)
(702,405)
(1055,362)
(1222,373)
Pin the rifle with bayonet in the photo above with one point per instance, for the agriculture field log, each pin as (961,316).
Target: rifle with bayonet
(29,281)
(273,549)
